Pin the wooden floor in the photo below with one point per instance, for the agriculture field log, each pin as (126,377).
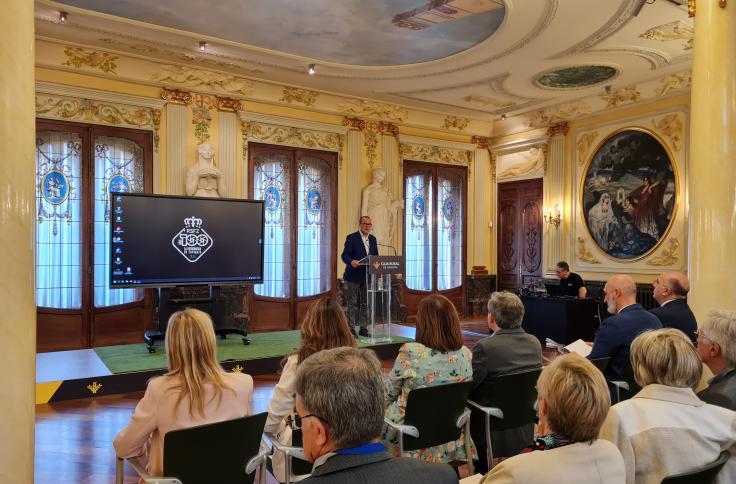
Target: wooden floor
(74,438)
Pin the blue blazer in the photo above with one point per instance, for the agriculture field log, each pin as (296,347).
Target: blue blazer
(616,334)
(677,314)
(355,250)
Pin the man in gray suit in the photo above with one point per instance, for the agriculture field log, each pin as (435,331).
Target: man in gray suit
(717,349)
(339,406)
(509,350)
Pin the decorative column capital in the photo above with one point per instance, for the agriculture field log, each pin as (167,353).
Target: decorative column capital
(483,142)
(353,123)
(227,104)
(558,129)
(176,96)
(389,129)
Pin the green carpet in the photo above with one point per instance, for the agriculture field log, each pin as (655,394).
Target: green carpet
(135,357)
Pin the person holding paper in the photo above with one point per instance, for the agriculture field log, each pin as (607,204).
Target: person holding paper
(358,246)
(571,284)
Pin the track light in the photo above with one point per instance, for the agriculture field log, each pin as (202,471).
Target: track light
(503,116)
(62,17)
(311,70)
(202,46)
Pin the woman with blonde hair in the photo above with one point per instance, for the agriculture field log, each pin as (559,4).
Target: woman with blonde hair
(195,391)
(437,357)
(324,327)
(665,429)
(573,402)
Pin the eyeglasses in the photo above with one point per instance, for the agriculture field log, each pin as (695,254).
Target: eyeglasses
(367,225)
(295,421)
(701,333)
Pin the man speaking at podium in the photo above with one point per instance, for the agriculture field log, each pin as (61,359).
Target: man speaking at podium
(358,246)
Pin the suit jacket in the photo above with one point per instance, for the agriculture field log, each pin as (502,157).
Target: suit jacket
(721,390)
(581,462)
(616,334)
(507,351)
(663,431)
(157,413)
(355,250)
(677,314)
(380,468)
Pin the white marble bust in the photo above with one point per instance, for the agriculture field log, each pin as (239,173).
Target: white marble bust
(204,179)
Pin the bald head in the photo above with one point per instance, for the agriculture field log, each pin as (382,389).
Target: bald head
(671,285)
(619,292)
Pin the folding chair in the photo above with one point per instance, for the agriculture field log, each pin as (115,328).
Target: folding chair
(436,415)
(226,452)
(295,462)
(703,475)
(626,387)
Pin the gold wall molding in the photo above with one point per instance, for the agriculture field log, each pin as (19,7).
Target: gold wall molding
(671,126)
(677,30)
(176,96)
(453,122)
(78,57)
(558,129)
(99,112)
(494,157)
(372,109)
(483,142)
(227,104)
(291,136)
(624,95)
(201,115)
(675,82)
(370,130)
(203,79)
(668,256)
(584,143)
(558,114)
(488,101)
(691,8)
(584,254)
(436,154)
(297,95)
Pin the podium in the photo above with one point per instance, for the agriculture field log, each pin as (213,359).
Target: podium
(561,319)
(378,287)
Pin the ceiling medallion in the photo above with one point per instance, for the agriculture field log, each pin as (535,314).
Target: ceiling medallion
(575,77)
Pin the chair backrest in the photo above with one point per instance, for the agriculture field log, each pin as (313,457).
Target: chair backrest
(601,363)
(628,376)
(299,466)
(516,395)
(434,411)
(702,475)
(215,452)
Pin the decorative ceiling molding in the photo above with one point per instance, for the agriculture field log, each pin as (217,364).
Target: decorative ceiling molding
(668,256)
(373,109)
(436,154)
(557,114)
(675,82)
(297,95)
(192,78)
(284,121)
(628,94)
(655,58)
(671,126)
(516,146)
(453,122)
(43,87)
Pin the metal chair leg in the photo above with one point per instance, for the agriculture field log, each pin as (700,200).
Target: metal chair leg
(469,448)
(119,471)
(489,444)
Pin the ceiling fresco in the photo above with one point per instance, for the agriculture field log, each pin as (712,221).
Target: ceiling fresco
(353,32)
(576,76)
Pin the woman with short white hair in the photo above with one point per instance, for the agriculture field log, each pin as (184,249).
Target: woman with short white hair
(665,429)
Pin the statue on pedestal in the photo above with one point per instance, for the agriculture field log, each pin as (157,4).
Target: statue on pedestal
(204,179)
(379,206)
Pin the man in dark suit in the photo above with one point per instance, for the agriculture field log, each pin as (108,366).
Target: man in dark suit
(717,349)
(617,332)
(670,291)
(339,407)
(509,350)
(358,245)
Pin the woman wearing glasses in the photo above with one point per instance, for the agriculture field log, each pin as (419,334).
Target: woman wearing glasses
(324,327)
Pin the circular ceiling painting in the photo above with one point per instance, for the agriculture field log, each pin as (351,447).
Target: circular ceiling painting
(576,77)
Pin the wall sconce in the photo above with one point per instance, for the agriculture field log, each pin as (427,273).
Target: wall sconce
(553,217)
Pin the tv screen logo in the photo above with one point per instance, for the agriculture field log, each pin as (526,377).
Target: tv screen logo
(192,241)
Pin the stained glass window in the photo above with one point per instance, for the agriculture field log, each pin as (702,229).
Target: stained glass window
(449,231)
(418,231)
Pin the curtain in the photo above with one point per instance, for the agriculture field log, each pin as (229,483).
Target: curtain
(418,231)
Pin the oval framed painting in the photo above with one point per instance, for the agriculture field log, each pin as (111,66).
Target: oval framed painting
(629,194)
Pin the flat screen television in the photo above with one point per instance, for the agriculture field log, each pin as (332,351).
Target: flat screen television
(161,240)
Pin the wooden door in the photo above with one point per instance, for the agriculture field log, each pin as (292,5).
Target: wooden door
(519,242)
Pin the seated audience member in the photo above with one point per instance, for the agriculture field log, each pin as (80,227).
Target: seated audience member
(571,284)
(670,291)
(508,350)
(617,332)
(195,391)
(665,429)
(324,327)
(717,349)
(339,407)
(437,357)
(573,402)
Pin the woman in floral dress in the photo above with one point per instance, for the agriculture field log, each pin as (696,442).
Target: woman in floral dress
(437,357)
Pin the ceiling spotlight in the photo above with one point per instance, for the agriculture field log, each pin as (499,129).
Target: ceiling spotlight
(311,70)
(62,17)
(202,46)
(503,116)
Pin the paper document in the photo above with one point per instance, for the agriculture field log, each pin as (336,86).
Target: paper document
(550,343)
(580,347)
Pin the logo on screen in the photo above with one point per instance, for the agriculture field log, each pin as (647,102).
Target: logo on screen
(192,241)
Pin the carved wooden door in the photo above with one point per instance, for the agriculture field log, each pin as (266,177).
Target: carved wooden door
(519,249)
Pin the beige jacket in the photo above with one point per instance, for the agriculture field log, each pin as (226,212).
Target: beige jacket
(665,430)
(155,415)
(581,463)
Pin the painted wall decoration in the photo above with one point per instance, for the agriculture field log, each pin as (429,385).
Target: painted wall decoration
(629,194)
(525,164)
(576,77)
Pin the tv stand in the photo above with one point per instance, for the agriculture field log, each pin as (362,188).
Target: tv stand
(167,305)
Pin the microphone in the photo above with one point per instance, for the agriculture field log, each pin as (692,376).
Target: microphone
(389,246)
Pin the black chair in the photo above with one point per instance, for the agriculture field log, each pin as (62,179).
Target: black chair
(601,363)
(223,452)
(702,475)
(626,387)
(436,415)
(295,461)
(512,404)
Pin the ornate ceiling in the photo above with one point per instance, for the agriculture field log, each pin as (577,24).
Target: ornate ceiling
(473,58)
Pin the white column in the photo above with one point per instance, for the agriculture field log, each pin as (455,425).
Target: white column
(392,165)
(554,193)
(176,148)
(227,123)
(17,210)
(485,189)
